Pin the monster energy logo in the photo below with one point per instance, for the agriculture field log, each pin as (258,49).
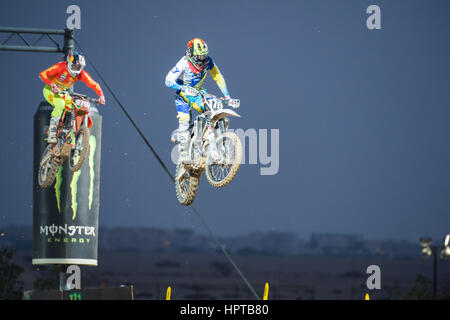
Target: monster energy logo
(92,147)
(67,230)
(58,188)
(74,190)
(74,182)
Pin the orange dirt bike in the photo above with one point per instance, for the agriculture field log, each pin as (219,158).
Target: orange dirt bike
(72,140)
(212,149)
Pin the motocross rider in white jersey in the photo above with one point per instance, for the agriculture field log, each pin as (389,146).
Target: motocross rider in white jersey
(187,79)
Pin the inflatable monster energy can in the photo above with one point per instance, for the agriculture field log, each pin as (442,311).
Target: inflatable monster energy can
(65,215)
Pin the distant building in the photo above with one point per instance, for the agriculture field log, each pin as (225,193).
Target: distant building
(375,248)
(132,239)
(185,240)
(148,239)
(337,244)
(250,243)
(272,242)
(16,237)
(276,242)
(152,239)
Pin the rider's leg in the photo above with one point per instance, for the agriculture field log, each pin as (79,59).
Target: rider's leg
(194,102)
(58,104)
(183,136)
(183,129)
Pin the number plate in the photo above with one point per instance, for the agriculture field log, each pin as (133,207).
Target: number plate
(82,103)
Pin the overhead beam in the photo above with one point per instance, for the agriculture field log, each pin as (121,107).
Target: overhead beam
(30,49)
(32,30)
(67,46)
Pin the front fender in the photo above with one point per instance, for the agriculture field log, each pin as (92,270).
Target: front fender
(222,114)
(90,123)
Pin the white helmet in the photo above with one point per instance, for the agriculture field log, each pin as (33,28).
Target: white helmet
(75,63)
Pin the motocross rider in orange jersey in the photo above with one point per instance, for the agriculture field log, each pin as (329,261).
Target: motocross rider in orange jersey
(62,76)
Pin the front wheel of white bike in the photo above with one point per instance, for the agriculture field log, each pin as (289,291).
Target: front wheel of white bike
(186,187)
(220,172)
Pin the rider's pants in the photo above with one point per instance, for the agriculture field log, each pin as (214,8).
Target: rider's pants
(184,104)
(57,101)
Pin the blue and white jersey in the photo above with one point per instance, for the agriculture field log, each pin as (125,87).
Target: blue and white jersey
(184,73)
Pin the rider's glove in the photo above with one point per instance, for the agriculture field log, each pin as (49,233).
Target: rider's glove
(101,100)
(234,103)
(55,88)
(189,91)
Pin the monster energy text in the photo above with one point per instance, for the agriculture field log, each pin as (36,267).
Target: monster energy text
(70,231)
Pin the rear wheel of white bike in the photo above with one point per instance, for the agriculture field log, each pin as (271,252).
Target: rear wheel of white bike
(222,172)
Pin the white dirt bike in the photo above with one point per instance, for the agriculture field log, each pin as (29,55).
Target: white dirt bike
(211,149)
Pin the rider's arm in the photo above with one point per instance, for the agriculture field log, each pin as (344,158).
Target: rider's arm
(86,78)
(218,77)
(173,75)
(49,74)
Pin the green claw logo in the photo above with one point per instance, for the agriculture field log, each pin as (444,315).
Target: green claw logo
(58,188)
(74,189)
(92,147)
(74,182)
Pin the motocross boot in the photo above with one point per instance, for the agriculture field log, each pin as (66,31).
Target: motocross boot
(52,129)
(183,146)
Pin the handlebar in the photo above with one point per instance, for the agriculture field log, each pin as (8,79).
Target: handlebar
(228,102)
(75,94)
(234,103)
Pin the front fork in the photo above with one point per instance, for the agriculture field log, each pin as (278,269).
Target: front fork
(212,140)
(75,129)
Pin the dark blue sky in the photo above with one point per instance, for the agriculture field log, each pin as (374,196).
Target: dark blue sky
(363,115)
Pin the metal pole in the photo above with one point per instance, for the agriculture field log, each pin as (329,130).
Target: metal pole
(69,44)
(434,271)
(62,278)
(69,41)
